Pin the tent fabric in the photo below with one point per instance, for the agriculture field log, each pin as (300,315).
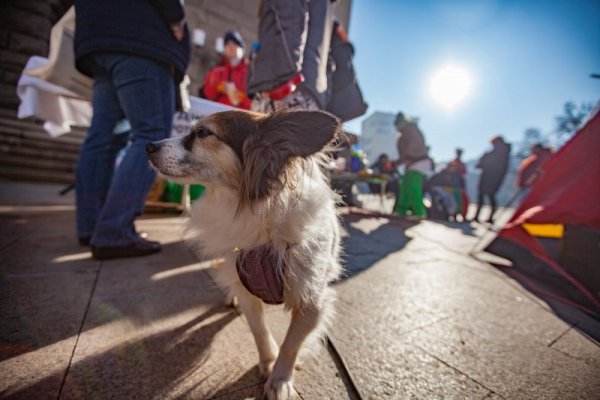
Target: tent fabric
(567,192)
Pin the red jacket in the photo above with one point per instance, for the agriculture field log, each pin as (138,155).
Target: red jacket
(530,168)
(459,166)
(216,78)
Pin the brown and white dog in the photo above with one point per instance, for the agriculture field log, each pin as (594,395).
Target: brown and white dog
(266,197)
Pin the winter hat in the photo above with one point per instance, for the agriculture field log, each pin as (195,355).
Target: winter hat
(235,37)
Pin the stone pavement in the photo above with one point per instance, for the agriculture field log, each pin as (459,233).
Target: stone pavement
(418,318)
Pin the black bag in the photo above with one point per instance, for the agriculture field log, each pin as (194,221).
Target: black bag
(346,99)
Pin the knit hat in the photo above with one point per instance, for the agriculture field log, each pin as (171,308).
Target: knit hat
(234,36)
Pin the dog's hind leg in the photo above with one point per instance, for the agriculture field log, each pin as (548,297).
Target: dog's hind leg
(252,308)
(280,384)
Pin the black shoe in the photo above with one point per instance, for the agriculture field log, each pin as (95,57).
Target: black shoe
(85,240)
(138,248)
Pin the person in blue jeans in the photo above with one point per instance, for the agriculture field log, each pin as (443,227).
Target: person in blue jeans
(137,52)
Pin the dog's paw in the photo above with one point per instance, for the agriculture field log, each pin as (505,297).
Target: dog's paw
(280,389)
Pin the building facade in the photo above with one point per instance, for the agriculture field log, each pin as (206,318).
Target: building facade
(378,135)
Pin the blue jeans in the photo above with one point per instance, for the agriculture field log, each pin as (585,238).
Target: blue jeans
(109,198)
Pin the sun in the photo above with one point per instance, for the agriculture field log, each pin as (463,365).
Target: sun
(450,85)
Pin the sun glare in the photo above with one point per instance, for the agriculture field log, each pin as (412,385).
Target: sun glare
(450,86)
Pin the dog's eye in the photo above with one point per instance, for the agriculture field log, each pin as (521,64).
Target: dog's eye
(199,132)
(202,132)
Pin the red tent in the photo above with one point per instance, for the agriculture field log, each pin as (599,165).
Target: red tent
(553,239)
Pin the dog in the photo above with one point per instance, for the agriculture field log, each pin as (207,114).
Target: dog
(268,210)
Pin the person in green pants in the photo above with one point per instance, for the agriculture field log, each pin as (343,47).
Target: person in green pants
(414,154)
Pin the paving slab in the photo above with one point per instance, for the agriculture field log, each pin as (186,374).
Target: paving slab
(39,311)
(509,364)
(37,373)
(44,292)
(382,367)
(578,346)
(44,243)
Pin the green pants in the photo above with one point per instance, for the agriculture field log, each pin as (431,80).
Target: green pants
(410,195)
(458,198)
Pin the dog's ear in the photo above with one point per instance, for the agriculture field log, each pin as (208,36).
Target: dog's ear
(280,137)
(301,133)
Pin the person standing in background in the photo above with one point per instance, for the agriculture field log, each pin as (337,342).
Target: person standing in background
(414,154)
(493,166)
(226,82)
(530,168)
(290,67)
(459,167)
(136,51)
(457,164)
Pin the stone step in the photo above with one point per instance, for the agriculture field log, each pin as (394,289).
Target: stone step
(16,140)
(37,163)
(37,175)
(31,127)
(42,152)
(29,153)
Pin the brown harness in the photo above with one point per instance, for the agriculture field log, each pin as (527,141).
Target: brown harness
(259,272)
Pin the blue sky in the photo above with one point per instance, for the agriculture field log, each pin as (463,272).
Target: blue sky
(525,58)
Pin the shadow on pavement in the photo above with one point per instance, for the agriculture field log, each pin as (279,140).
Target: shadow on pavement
(246,386)
(47,279)
(563,308)
(38,320)
(369,239)
(147,368)
(465,227)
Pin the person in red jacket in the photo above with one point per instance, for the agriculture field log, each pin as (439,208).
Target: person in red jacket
(226,82)
(530,168)
(459,166)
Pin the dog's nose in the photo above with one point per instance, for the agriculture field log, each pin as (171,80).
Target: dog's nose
(152,147)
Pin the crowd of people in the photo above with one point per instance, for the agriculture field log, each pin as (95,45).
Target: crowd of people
(446,188)
(423,191)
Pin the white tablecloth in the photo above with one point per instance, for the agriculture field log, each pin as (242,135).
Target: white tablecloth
(61,108)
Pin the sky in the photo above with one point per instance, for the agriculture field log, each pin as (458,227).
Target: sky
(524,60)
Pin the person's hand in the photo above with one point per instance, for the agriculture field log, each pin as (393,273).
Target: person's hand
(232,93)
(177,28)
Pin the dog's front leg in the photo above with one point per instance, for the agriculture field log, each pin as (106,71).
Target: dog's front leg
(280,385)
(252,308)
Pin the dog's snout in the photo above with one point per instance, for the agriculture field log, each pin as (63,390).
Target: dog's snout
(152,147)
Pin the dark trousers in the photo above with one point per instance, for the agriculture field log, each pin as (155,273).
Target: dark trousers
(480,201)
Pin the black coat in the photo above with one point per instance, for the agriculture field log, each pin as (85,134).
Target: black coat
(345,97)
(136,27)
(493,165)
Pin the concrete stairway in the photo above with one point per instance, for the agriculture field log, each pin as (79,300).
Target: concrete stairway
(28,153)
